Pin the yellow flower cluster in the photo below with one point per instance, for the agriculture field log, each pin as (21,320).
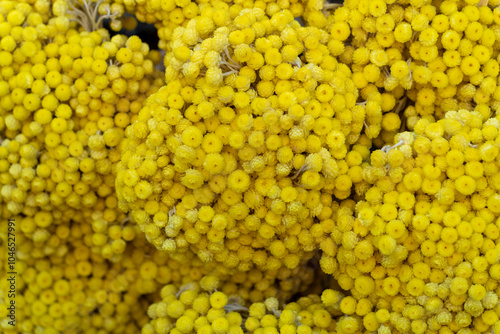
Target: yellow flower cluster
(420,58)
(259,179)
(67,96)
(199,308)
(195,307)
(454,61)
(425,243)
(243,148)
(74,288)
(168,15)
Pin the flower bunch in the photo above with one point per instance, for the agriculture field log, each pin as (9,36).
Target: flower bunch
(424,58)
(424,243)
(67,96)
(240,153)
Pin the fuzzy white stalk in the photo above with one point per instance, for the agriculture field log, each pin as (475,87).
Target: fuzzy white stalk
(87,15)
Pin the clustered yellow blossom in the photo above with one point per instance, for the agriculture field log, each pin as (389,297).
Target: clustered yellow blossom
(75,288)
(424,58)
(200,308)
(195,307)
(238,156)
(278,167)
(424,245)
(454,61)
(167,15)
(67,97)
